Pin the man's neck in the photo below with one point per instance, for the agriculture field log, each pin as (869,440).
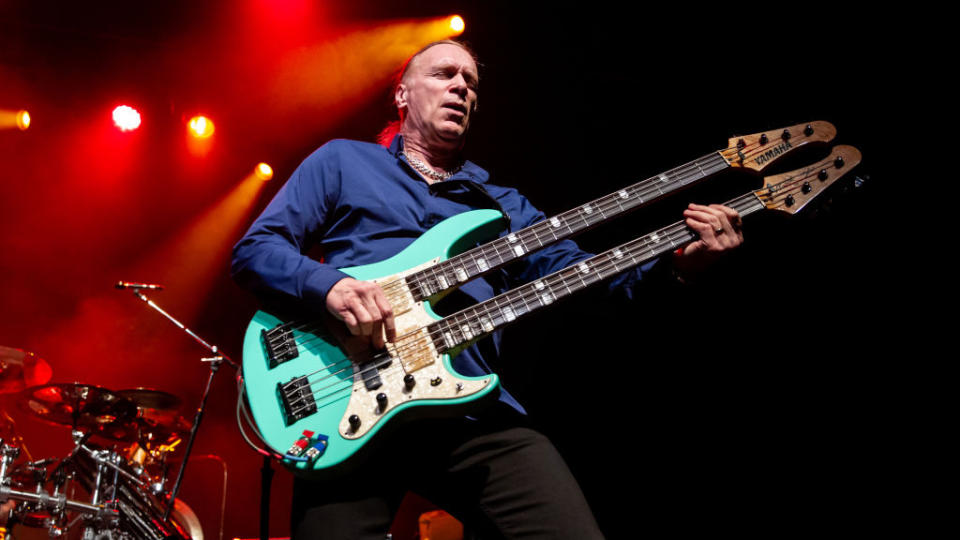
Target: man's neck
(439,159)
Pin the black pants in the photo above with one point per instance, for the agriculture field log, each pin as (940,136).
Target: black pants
(497,476)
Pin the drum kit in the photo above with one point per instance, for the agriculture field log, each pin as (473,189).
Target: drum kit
(113,483)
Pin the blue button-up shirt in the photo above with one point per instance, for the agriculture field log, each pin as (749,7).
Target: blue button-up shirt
(361,203)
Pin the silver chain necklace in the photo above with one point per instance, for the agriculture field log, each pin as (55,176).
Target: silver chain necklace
(425,169)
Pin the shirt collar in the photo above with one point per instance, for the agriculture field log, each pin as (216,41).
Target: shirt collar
(470,171)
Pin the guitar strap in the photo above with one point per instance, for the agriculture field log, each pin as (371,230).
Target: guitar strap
(470,193)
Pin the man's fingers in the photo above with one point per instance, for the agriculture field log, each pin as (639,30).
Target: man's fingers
(386,311)
(362,316)
(364,308)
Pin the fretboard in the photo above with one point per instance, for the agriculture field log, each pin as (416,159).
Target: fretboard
(472,263)
(477,321)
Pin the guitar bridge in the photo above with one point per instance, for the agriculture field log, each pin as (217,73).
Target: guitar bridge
(296,399)
(279,345)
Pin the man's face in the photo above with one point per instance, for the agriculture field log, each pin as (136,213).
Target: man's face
(439,93)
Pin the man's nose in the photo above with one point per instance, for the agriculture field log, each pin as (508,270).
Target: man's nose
(460,85)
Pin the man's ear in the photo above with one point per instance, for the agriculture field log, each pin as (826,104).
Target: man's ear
(400,96)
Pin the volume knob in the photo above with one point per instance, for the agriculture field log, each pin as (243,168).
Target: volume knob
(409,381)
(382,401)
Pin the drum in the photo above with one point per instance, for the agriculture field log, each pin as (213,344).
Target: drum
(110,479)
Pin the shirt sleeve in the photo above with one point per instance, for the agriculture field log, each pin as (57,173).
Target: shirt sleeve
(270,258)
(565,253)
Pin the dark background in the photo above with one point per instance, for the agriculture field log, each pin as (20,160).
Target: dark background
(752,402)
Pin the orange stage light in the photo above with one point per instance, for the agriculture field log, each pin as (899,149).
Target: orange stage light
(263,171)
(206,243)
(200,127)
(14,119)
(23,120)
(126,118)
(457,24)
(328,79)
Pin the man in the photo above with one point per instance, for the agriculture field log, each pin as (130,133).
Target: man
(361,203)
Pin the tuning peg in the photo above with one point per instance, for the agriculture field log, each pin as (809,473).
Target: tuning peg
(764,139)
(785,135)
(838,162)
(808,131)
(822,175)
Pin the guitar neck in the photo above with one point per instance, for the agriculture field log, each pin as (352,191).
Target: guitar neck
(472,263)
(787,192)
(464,327)
(754,152)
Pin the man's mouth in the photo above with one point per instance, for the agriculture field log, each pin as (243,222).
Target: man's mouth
(462,109)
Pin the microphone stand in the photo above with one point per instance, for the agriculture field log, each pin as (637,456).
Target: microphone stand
(214,363)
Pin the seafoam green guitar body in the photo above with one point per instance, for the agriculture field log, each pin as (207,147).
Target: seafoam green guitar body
(339,386)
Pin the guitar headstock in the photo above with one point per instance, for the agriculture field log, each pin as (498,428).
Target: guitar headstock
(757,151)
(791,191)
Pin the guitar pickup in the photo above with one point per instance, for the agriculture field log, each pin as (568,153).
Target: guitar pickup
(296,399)
(279,345)
(370,372)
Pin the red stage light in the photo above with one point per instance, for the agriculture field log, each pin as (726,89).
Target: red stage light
(200,127)
(126,118)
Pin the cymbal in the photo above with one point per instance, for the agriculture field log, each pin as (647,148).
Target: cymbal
(20,369)
(148,398)
(82,406)
(163,430)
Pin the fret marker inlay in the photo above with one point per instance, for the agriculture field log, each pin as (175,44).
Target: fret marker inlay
(486,324)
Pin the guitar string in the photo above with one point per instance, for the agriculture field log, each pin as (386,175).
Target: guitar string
(545,232)
(610,205)
(682,176)
(641,189)
(611,200)
(511,298)
(791,186)
(351,383)
(746,204)
(747,152)
(786,188)
(526,234)
(744,151)
(645,244)
(606,266)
